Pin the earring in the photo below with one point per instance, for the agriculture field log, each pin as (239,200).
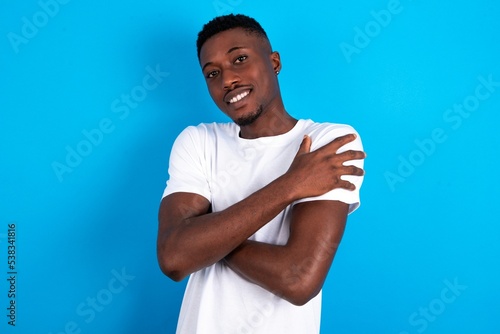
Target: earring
(277,72)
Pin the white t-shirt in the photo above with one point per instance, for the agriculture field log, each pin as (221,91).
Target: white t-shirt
(213,161)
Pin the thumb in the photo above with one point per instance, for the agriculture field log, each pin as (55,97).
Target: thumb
(305,146)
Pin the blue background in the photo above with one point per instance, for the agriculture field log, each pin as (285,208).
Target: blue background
(428,219)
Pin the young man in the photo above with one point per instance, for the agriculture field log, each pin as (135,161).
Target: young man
(254,209)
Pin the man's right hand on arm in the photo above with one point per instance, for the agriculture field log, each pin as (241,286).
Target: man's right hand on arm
(315,173)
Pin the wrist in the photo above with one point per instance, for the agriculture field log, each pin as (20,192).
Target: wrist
(287,188)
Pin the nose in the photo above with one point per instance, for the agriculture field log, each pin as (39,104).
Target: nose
(229,79)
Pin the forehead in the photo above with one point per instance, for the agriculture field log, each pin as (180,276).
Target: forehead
(224,41)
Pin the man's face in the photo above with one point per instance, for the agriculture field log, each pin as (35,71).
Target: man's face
(240,71)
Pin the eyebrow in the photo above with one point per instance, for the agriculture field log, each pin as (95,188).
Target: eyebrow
(228,52)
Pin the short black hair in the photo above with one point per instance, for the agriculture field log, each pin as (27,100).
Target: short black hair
(227,22)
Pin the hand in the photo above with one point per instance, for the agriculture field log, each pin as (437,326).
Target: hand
(315,173)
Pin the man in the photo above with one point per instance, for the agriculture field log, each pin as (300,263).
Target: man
(254,209)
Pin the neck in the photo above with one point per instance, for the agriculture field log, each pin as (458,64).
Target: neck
(272,122)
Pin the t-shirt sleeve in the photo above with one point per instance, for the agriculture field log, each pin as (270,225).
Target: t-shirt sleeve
(347,196)
(187,167)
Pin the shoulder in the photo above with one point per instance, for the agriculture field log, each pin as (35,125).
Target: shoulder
(323,128)
(206,131)
(323,133)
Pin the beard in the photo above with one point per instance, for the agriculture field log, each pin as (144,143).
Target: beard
(250,118)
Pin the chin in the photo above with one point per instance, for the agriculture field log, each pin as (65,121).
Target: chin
(249,118)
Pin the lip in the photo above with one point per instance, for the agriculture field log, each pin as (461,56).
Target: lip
(235,92)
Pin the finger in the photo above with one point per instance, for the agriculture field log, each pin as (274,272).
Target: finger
(351,155)
(305,146)
(352,170)
(345,185)
(339,142)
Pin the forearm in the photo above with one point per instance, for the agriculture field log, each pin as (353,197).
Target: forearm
(199,241)
(295,271)
(263,264)
(281,269)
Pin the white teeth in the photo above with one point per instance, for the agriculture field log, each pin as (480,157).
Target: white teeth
(238,97)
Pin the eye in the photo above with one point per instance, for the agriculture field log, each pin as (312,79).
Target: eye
(212,74)
(241,59)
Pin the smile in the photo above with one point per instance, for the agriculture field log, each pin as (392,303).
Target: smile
(239,97)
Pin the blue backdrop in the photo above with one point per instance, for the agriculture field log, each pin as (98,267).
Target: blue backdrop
(94,93)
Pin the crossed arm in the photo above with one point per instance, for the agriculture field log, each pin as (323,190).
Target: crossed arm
(190,237)
(295,271)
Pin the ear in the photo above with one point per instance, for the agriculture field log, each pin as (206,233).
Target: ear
(276,61)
